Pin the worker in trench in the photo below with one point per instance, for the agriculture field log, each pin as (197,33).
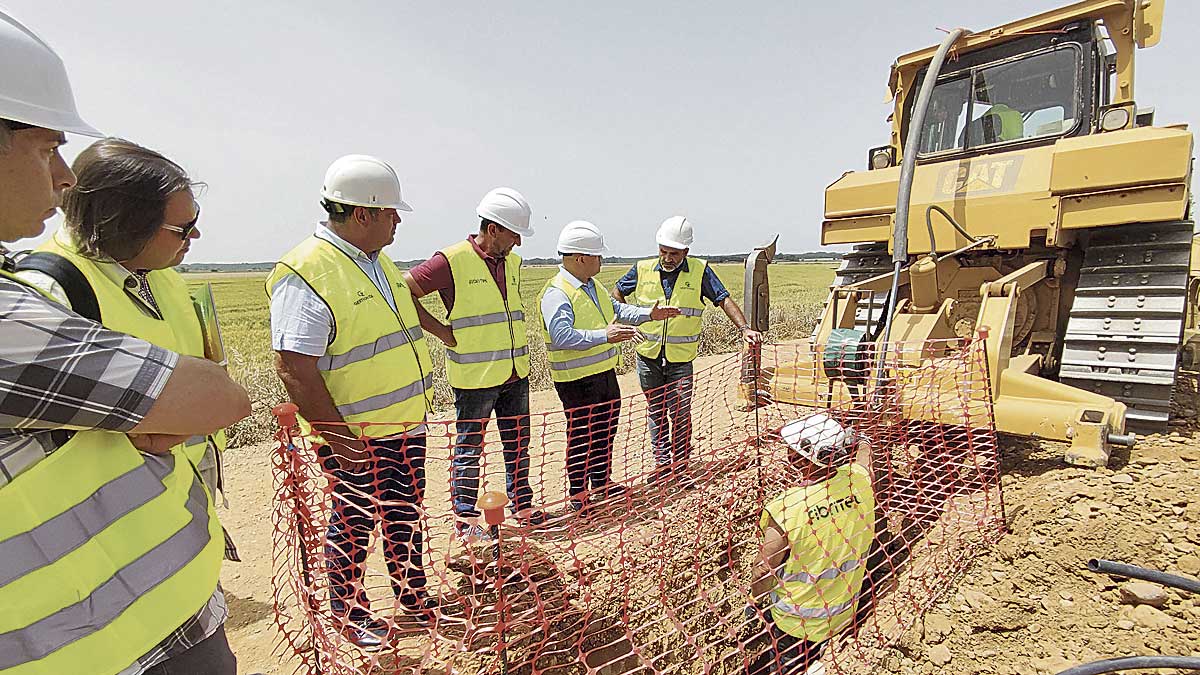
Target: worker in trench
(341,314)
(816,541)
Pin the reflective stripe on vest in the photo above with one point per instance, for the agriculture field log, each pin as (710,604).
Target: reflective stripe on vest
(821,612)
(114,596)
(377,369)
(105,552)
(567,365)
(681,334)
(365,352)
(831,573)
(830,526)
(179,329)
(488,327)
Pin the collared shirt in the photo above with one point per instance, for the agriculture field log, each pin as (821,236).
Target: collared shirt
(560,317)
(300,320)
(711,287)
(49,358)
(135,285)
(435,274)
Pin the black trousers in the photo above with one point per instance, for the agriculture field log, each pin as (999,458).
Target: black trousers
(390,492)
(593,406)
(210,656)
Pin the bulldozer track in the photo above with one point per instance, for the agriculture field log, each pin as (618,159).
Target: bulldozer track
(864,262)
(1127,317)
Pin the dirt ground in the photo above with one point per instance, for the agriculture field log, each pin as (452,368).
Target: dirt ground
(1028,606)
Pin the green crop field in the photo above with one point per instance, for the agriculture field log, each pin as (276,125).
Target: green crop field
(797,291)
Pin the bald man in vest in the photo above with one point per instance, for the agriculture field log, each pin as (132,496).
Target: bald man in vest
(487,360)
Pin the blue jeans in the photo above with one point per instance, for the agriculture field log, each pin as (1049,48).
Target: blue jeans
(510,402)
(668,389)
(389,490)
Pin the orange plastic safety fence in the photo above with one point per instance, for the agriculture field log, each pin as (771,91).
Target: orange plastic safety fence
(635,538)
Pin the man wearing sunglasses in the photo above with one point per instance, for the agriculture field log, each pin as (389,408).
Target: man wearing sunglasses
(130,218)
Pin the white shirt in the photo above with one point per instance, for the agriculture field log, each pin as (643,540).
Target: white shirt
(300,320)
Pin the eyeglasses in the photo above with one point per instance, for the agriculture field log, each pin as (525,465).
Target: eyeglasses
(185,230)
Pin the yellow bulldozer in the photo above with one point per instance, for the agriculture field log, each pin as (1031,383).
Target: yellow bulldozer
(1025,199)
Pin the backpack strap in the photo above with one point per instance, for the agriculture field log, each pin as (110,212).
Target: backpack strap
(79,292)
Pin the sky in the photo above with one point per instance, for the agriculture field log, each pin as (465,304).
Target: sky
(622,112)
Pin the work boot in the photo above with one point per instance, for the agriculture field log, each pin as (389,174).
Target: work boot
(366,634)
(530,517)
(472,534)
(611,490)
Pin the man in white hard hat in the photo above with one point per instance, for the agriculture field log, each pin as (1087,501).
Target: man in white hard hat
(665,356)
(816,542)
(90,488)
(582,323)
(487,364)
(352,355)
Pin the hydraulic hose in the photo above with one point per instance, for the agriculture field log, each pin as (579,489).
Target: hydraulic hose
(904,195)
(1134,572)
(929,224)
(1133,663)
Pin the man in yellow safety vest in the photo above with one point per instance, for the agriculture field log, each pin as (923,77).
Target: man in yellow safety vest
(109,557)
(582,325)
(487,364)
(816,542)
(353,358)
(665,356)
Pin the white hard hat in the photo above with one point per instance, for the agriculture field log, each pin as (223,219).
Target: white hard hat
(675,232)
(580,236)
(363,180)
(819,439)
(507,208)
(34,89)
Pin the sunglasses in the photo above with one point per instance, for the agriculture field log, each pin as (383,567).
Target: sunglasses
(185,230)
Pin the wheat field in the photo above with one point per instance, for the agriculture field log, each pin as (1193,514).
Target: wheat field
(797,291)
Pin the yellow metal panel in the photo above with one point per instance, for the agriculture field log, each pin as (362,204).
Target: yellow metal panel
(1139,156)
(856,230)
(1117,207)
(863,193)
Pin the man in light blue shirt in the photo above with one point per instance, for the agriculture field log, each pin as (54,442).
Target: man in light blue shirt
(581,321)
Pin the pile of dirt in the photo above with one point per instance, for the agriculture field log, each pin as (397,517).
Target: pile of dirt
(1030,606)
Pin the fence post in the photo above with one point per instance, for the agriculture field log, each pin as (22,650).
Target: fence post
(285,415)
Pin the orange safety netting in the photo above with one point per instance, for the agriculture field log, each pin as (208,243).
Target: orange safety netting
(655,577)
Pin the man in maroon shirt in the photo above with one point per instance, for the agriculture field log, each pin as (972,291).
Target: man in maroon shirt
(487,361)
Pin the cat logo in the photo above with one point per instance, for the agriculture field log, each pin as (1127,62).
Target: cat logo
(978,176)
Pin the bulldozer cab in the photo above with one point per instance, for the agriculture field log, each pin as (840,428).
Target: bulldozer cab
(1043,213)
(1031,91)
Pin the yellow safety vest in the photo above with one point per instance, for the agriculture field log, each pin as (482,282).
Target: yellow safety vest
(377,369)
(567,365)
(1012,126)
(489,330)
(681,334)
(104,552)
(178,330)
(830,526)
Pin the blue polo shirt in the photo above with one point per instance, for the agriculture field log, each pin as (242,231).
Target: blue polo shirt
(711,287)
